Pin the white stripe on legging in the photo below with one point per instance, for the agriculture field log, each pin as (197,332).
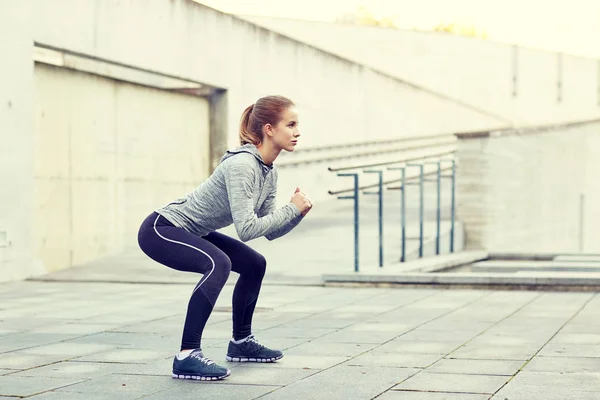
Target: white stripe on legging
(195,248)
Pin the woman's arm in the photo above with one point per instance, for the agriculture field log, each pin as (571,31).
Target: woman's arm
(269,207)
(239,180)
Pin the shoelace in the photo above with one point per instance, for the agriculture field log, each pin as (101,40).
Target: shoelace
(199,356)
(257,345)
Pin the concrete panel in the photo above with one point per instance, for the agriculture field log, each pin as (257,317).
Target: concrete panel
(107,154)
(16,127)
(181,44)
(521,193)
(474,72)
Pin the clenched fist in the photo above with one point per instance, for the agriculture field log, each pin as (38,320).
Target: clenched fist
(301,201)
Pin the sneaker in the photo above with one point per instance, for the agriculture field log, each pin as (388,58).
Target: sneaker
(196,366)
(251,350)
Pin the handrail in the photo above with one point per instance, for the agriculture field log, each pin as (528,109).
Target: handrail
(404,183)
(387,183)
(424,157)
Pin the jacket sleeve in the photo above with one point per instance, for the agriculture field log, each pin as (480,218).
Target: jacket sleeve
(239,181)
(269,207)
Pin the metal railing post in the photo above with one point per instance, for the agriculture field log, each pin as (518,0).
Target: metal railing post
(438,213)
(421,216)
(402,210)
(380,193)
(452,206)
(355,197)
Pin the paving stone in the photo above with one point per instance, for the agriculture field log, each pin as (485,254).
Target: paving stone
(343,382)
(418,346)
(118,386)
(509,340)
(454,383)
(20,360)
(127,356)
(585,381)
(4,371)
(161,367)
(72,369)
(476,367)
(75,328)
(318,321)
(30,339)
(301,361)
(588,325)
(450,326)
(551,386)
(26,386)
(80,396)
(493,352)
(271,374)
(412,395)
(577,338)
(438,335)
(563,364)
(407,360)
(6,332)
(288,332)
(570,350)
(213,390)
(68,349)
(349,336)
(514,392)
(132,340)
(330,349)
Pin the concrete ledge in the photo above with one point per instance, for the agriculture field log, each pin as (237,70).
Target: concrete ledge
(523,130)
(540,266)
(471,279)
(588,258)
(495,255)
(441,262)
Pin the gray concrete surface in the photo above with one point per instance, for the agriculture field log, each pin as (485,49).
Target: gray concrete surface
(109,330)
(96,340)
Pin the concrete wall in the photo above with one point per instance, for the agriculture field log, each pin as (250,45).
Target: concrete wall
(472,71)
(16,134)
(106,153)
(185,39)
(339,100)
(521,193)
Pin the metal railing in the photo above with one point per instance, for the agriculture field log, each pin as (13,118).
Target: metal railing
(401,184)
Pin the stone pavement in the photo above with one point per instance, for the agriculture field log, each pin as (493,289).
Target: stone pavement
(109,330)
(94,340)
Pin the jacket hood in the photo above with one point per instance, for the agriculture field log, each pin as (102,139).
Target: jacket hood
(250,149)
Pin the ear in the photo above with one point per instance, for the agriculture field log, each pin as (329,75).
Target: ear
(268,130)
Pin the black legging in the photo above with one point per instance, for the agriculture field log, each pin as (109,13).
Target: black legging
(214,256)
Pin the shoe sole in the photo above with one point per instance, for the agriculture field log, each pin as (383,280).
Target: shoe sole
(176,375)
(259,360)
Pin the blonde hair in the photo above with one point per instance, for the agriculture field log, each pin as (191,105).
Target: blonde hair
(266,110)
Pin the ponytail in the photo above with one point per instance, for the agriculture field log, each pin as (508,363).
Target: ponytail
(246,133)
(266,110)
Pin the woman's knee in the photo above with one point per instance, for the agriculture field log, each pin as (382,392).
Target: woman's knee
(222,267)
(259,266)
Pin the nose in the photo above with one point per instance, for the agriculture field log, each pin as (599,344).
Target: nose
(297,133)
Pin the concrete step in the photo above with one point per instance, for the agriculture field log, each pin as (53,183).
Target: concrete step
(579,258)
(503,266)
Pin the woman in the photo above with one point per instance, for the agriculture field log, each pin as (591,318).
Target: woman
(241,191)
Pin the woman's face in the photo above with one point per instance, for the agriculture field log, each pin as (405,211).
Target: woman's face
(285,134)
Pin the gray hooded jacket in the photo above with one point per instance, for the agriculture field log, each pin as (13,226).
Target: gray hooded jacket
(241,191)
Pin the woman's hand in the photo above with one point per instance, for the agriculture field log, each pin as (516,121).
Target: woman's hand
(301,201)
